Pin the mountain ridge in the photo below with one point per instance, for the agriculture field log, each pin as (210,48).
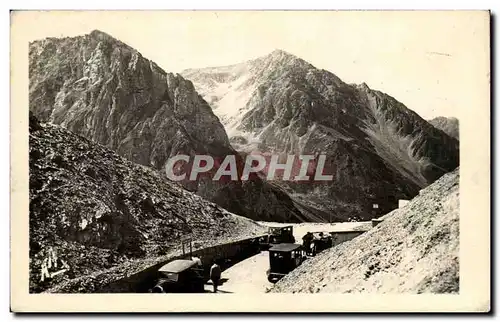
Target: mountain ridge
(449,125)
(281,104)
(106,91)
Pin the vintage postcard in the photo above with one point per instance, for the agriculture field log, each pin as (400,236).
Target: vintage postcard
(250,161)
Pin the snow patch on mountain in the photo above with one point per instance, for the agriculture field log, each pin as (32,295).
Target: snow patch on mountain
(229,90)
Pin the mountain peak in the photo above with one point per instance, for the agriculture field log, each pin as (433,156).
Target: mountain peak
(99,34)
(102,36)
(279,57)
(363,86)
(449,125)
(279,54)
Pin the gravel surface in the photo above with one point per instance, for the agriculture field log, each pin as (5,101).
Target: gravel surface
(414,250)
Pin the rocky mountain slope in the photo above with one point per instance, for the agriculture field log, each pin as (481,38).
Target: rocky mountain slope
(414,250)
(104,90)
(95,209)
(448,125)
(377,150)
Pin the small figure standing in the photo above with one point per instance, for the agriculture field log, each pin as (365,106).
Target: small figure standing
(306,241)
(215,273)
(313,248)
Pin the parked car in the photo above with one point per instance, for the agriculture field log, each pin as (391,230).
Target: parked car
(320,242)
(180,276)
(277,235)
(283,258)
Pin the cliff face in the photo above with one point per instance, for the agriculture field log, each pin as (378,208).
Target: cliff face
(96,209)
(104,90)
(414,250)
(448,125)
(377,150)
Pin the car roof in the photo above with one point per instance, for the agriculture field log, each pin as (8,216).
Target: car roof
(285,247)
(177,266)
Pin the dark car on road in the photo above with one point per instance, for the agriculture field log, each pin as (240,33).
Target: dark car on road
(180,276)
(320,242)
(277,235)
(283,258)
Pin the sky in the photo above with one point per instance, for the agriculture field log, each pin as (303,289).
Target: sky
(433,62)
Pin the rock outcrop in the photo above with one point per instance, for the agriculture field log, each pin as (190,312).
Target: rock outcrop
(91,209)
(448,125)
(377,150)
(414,249)
(105,91)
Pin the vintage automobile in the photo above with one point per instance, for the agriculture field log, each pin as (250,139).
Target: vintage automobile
(277,235)
(180,276)
(283,258)
(320,242)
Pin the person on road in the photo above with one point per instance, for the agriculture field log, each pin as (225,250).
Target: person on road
(215,273)
(313,247)
(306,241)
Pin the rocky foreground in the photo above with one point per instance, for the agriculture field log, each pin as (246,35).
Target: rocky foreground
(414,250)
(95,215)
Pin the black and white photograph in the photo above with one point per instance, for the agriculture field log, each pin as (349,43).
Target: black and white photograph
(251,153)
